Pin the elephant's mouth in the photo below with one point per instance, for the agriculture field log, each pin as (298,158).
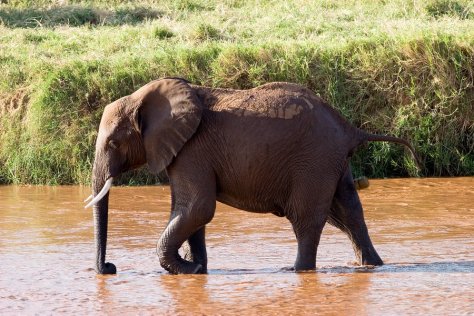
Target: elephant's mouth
(101,194)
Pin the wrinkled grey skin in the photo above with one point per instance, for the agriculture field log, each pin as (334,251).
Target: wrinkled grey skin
(277,148)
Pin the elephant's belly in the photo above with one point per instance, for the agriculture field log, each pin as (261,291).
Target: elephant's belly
(250,204)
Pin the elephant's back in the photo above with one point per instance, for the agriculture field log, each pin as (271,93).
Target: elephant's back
(276,100)
(275,111)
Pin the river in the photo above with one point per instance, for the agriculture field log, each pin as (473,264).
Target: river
(422,228)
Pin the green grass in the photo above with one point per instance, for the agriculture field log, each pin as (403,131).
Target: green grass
(399,67)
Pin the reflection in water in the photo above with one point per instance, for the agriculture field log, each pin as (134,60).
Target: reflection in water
(276,293)
(422,228)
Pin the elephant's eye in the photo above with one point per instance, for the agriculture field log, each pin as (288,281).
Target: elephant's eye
(113,144)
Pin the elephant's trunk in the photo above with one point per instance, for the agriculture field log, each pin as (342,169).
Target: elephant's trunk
(101,212)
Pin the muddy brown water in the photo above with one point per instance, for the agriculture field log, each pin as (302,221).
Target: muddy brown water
(422,228)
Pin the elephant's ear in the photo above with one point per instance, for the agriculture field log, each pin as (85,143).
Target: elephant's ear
(167,115)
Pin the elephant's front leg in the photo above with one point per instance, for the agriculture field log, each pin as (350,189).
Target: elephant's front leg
(347,215)
(195,249)
(191,212)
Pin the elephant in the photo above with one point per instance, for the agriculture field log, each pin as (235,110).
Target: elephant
(277,148)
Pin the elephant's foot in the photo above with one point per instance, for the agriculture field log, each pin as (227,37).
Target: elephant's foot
(304,267)
(184,267)
(294,269)
(107,268)
(174,264)
(198,258)
(372,261)
(188,257)
(369,257)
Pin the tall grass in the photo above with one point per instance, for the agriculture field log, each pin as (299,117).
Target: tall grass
(400,67)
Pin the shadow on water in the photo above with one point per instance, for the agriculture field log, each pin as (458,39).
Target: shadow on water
(435,267)
(432,267)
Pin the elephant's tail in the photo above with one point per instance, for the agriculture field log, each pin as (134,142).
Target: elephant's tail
(367,137)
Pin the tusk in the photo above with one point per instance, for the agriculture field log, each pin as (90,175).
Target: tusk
(102,193)
(89,198)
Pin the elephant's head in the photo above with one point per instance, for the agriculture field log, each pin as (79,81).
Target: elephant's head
(149,126)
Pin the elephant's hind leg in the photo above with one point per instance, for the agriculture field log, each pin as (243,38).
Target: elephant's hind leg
(308,235)
(347,215)
(308,219)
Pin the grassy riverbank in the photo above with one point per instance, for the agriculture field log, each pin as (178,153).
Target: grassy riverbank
(400,67)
